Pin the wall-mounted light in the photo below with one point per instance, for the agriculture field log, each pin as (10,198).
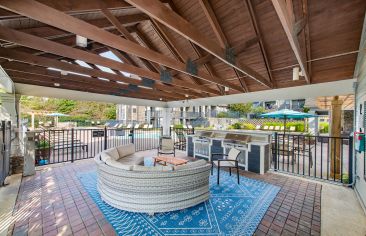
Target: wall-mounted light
(296,73)
(56,84)
(81,41)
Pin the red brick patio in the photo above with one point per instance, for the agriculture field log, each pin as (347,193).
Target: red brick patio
(53,202)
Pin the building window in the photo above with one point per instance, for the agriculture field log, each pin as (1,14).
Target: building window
(134,110)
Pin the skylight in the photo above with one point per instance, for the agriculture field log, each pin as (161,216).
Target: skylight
(112,56)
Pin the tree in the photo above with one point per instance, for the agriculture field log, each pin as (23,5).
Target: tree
(258,110)
(242,108)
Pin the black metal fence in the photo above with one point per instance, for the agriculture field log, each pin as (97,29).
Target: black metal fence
(5,145)
(55,146)
(320,157)
(179,136)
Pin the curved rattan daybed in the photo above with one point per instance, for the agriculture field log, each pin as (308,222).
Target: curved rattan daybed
(124,183)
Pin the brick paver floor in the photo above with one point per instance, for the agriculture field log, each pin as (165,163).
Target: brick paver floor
(53,202)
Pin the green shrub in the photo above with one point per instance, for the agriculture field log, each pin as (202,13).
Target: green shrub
(324,127)
(248,126)
(236,125)
(43,144)
(222,114)
(178,126)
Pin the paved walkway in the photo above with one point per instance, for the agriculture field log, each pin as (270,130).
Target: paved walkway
(53,202)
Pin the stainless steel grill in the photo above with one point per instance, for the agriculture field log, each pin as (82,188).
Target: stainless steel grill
(202,143)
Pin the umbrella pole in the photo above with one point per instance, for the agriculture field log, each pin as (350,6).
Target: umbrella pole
(284,130)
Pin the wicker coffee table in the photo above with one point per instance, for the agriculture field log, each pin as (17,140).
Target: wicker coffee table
(169,160)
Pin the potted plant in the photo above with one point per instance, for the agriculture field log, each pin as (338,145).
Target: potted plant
(43,150)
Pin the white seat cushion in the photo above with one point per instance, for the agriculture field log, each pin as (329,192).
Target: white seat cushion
(104,156)
(134,159)
(189,165)
(113,153)
(225,163)
(152,168)
(126,150)
(117,164)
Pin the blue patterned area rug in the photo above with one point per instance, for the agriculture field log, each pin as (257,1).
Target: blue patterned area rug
(232,210)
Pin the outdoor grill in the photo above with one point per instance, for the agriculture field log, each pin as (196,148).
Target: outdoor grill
(238,141)
(202,143)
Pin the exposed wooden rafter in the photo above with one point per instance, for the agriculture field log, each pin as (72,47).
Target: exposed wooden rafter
(11,54)
(81,81)
(168,42)
(258,33)
(119,26)
(45,14)
(169,18)
(220,35)
(66,51)
(284,10)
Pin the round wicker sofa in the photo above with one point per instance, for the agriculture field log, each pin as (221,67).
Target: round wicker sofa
(124,183)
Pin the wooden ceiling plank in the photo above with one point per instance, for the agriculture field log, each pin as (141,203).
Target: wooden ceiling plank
(172,20)
(12,54)
(47,15)
(168,42)
(215,25)
(258,33)
(77,54)
(73,7)
(119,26)
(285,14)
(238,50)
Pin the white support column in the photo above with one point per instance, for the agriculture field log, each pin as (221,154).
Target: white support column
(10,102)
(166,121)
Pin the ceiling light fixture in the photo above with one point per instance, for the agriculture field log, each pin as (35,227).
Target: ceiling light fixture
(81,41)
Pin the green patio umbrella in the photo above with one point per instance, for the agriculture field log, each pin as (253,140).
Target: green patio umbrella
(287,114)
(56,115)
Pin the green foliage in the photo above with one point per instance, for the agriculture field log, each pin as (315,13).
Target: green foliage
(243,125)
(236,125)
(299,125)
(43,144)
(248,126)
(110,113)
(258,110)
(65,106)
(324,127)
(305,109)
(243,108)
(178,126)
(82,112)
(222,114)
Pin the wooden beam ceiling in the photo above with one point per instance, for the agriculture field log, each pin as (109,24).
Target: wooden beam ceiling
(77,54)
(12,54)
(119,26)
(284,10)
(14,68)
(220,35)
(83,82)
(258,33)
(169,18)
(168,42)
(47,15)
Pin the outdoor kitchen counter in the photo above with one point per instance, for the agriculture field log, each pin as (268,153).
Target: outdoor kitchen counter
(255,146)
